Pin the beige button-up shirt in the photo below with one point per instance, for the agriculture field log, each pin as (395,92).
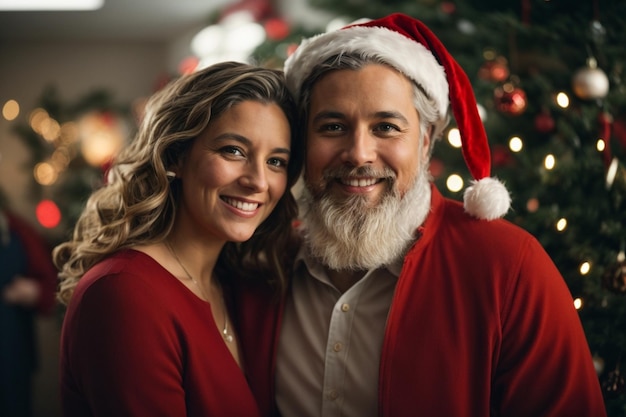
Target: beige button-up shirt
(330,343)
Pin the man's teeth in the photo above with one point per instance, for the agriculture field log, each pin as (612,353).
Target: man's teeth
(359,182)
(241,205)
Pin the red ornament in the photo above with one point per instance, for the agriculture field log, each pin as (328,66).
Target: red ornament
(448,7)
(510,100)
(501,156)
(276,29)
(619,131)
(496,70)
(544,123)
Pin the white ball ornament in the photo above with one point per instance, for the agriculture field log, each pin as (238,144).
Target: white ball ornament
(591,82)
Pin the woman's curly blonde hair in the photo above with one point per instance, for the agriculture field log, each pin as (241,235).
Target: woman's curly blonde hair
(138,203)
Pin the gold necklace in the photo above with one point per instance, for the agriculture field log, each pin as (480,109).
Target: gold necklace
(229,337)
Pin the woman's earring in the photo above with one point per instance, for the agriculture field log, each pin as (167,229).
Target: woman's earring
(171,175)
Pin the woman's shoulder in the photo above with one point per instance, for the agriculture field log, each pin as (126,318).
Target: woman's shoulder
(125,271)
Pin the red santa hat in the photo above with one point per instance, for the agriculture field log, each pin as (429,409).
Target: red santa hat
(410,47)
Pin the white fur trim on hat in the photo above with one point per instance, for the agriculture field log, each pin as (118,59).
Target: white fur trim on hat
(407,56)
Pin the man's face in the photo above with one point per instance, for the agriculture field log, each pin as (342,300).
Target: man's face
(358,119)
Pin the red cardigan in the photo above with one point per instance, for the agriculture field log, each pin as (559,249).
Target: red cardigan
(481,324)
(136,342)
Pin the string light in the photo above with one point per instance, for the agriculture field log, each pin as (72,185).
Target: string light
(578,303)
(600,145)
(454,137)
(562,100)
(515,144)
(585,267)
(10,110)
(549,162)
(561,224)
(454,183)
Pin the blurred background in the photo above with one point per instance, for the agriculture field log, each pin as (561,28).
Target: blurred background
(548,76)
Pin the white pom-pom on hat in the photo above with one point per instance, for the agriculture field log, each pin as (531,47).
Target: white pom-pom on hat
(487,199)
(407,45)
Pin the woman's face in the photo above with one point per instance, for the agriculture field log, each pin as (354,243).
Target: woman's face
(235,172)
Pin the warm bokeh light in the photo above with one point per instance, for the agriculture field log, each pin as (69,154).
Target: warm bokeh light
(585,267)
(600,145)
(561,224)
(549,162)
(562,100)
(10,110)
(50,129)
(578,303)
(102,136)
(454,137)
(454,183)
(37,118)
(45,173)
(515,144)
(48,214)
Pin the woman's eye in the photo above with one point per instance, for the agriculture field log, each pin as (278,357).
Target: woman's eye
(231,150)
(277,162)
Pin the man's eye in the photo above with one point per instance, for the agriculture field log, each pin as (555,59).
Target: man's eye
(331,127)
(387,127)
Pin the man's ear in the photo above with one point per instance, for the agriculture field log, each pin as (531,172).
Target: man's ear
(426,143)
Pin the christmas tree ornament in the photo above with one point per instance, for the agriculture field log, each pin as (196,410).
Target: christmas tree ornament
(590,82)
(277,29)
(532,205)
(544,122)
(496,70)
(502,156)
(510,100)
(614,277)
(466,27)
(598,31)
(613,384)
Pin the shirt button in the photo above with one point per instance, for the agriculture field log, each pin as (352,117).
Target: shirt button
(332,395)
(337,347)
(345,307)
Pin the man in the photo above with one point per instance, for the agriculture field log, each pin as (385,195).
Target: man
(404,303)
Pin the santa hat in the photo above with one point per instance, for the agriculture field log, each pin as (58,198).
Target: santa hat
(410,47)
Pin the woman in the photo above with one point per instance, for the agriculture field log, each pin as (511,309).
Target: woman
(197,199)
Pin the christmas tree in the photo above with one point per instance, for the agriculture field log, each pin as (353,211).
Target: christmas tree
(549,80)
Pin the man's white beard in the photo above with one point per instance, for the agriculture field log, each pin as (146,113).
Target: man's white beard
(349,234)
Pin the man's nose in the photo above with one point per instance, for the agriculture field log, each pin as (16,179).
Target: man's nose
(360,149)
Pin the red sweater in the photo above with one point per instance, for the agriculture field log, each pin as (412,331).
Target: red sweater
(481,324)
(136,342)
